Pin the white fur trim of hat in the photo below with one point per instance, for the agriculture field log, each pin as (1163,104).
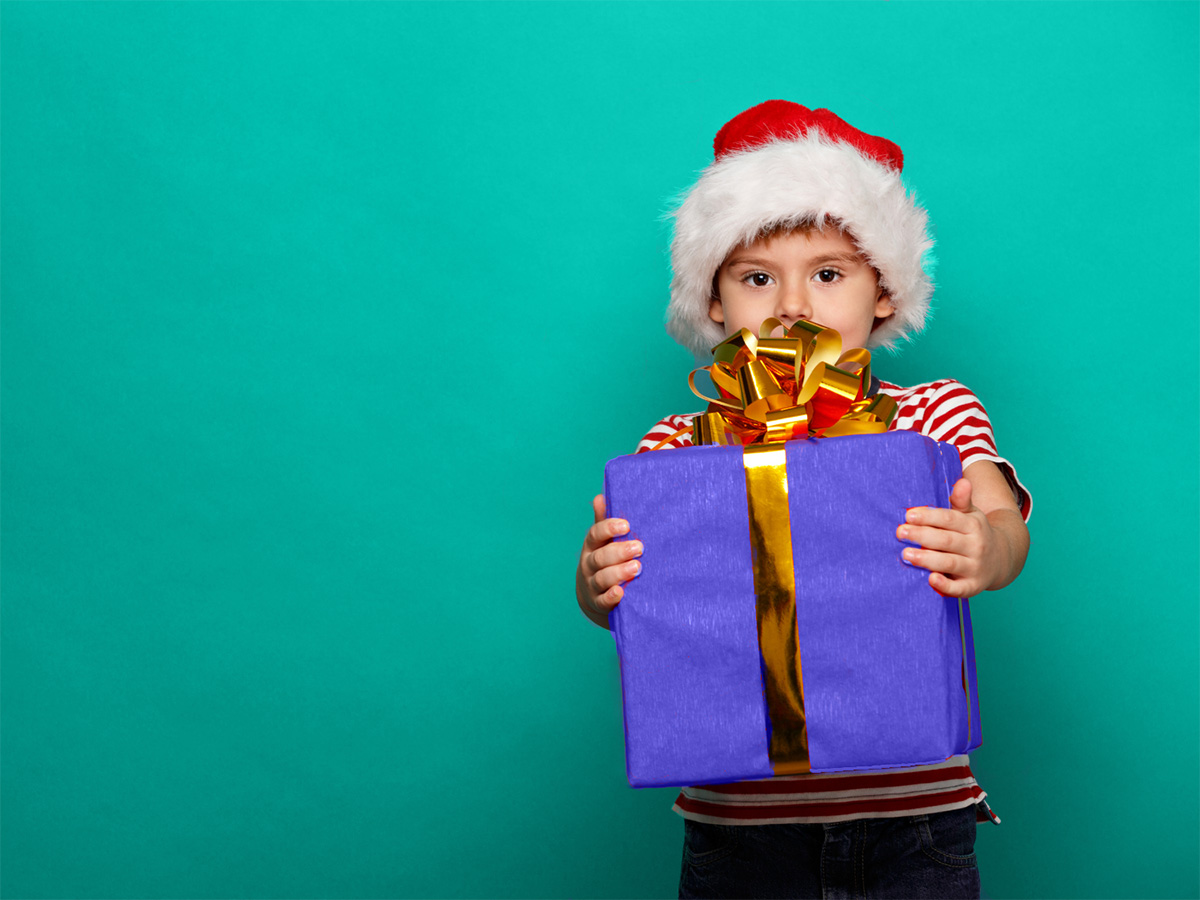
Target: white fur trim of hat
(780,163)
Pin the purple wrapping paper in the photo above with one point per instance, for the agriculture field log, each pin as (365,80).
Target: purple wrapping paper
(881,651)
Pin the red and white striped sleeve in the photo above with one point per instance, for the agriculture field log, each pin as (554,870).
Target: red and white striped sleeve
(664,429)
(946,410)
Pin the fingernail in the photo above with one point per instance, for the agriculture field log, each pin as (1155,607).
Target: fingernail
(908,555)
(903,532)
(636,567)
(635,548)
(620,526)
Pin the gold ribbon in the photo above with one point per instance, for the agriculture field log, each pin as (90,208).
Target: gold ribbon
(773,390)
(775,606)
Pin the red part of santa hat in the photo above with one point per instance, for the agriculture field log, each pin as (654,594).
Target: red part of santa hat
(782,118)
(780,163)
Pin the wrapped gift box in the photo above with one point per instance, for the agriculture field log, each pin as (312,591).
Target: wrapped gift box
(886,663)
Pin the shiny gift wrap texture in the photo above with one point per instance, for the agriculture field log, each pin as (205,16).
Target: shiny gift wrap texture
(881,654)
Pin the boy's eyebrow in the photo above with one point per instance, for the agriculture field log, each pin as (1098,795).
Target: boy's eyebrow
(848,258)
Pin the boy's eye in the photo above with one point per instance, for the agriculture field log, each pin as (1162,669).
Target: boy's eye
(758,279)
(828,276)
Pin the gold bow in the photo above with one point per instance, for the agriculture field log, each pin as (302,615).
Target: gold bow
(780,389)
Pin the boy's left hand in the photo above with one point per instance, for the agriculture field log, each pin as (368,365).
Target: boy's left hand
(967,548)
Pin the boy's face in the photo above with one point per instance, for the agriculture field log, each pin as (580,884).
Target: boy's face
(811,274)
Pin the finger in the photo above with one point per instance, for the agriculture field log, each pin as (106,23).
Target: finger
(609,576)
(603,532)
(936,517)
(610,598)
(936,561)
(598,507)
(960,496)
(935,538)
(953,587)
(614,554)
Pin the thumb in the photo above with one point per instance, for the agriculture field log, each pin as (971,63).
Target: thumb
(960,497)
(598,507)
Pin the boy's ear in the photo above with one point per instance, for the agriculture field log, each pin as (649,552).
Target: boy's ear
(884,306)
(716,311)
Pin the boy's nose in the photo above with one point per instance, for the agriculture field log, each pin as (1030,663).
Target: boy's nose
(793,303)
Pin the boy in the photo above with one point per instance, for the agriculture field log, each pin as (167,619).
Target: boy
(803,216)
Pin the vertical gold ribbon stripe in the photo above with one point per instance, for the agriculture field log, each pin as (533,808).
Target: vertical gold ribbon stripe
(775,593)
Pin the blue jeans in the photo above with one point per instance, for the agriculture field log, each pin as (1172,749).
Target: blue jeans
(903,857)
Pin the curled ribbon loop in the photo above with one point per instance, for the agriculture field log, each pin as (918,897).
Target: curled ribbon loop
(800,385)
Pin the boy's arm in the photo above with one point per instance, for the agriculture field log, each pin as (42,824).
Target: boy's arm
(978,544)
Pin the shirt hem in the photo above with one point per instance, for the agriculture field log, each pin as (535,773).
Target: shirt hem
(817,820)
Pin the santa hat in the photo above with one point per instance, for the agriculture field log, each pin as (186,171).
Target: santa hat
(782,164)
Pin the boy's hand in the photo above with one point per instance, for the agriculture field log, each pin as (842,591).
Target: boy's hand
(967,548)
(604,566)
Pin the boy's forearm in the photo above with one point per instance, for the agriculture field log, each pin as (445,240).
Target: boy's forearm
(1014,545)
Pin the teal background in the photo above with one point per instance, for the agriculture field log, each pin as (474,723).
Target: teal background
(320,321)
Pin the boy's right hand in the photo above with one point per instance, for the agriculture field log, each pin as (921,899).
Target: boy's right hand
(604,565)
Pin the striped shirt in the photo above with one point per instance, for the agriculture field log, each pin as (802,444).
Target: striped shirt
(944,410)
